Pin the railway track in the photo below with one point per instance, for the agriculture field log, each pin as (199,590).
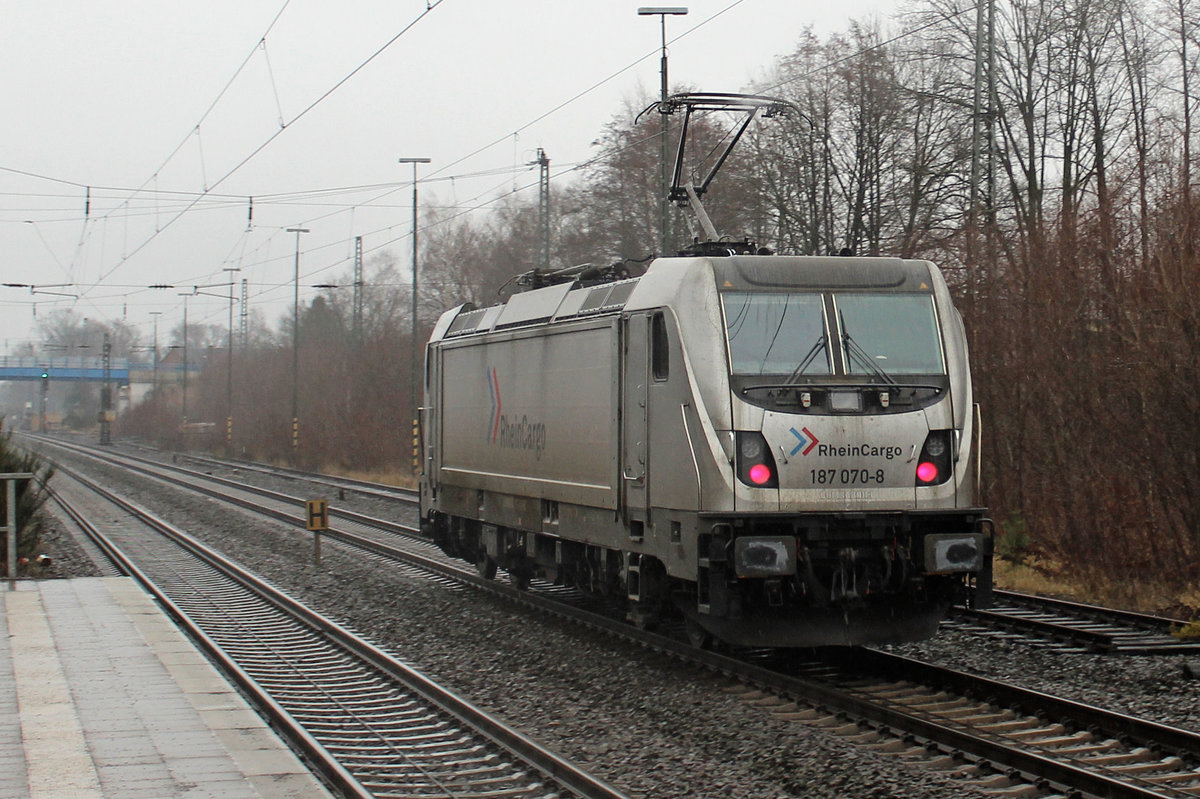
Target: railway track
(373,726)
(1023,738)
(997,736)
(335,482)
(1074,627)
(1059,625)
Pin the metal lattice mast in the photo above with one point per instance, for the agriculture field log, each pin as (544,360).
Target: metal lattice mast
(106,413)
(983,138)
(244,319)
(543,163)
(358,290)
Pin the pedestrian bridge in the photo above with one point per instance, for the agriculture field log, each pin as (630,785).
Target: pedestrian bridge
(75,368)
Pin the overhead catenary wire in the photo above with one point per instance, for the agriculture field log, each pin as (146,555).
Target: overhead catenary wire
(199,201)
(263,145)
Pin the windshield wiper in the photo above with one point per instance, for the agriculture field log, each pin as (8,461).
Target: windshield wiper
(812,354)
(864,358)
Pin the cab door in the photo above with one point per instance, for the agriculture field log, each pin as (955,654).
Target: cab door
(635,419)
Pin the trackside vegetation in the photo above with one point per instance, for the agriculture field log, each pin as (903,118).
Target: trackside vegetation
(31,496)
(1070,239)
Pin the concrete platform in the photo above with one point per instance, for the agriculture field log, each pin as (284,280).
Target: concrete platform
(102,697)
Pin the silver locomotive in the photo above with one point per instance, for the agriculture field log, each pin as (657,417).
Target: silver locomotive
(782,450)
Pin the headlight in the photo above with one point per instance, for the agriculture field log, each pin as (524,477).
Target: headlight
(751,447)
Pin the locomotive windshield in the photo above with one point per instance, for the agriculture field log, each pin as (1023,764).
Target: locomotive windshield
(771,334)
(892,333)
(875,336)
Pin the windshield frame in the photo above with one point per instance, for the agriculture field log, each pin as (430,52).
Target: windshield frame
(851,348)
(792,387)
(813,346)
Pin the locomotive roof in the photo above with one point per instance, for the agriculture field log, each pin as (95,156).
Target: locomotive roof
(758,273)
(732,273)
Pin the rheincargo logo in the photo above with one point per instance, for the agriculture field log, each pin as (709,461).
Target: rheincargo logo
(858,451)
(493,381)
(522,434)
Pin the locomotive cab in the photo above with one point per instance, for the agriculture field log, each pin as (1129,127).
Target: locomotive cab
(853,516)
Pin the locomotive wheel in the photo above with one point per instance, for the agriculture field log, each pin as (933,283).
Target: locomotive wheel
(697,635)
(644,617)
(485,566)
(519,578)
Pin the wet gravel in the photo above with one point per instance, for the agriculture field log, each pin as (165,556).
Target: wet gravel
(644,723)
(1152,687)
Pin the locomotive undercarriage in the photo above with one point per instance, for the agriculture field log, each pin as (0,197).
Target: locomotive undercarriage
(760,581)
(832,579)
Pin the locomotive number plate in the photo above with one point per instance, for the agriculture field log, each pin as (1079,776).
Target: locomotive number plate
(846,477)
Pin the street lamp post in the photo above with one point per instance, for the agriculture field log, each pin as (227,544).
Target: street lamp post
(185,296)
(229,367)
(296,347)
(412,355)
(664,236)
(156,314)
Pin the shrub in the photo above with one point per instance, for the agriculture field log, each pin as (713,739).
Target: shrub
(31,496)
(1013,540)
(1188,632)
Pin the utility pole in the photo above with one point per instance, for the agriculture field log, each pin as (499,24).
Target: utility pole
(185,296)
(296,348)
(244,332)
(664,219)
(154,384)
(229,366)
(983,134)
(106,412)
(45,393)
(358,291)
(543,162)
(983,148)
(413,346)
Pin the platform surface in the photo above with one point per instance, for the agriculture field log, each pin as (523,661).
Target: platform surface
(102,697)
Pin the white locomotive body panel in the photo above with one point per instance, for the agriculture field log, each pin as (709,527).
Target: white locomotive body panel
(525,414)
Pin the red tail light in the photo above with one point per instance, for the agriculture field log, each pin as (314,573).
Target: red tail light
(755,463)
(934,465)
(927,472)
(760,474)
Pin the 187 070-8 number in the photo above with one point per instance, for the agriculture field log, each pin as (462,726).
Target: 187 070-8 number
(846,477)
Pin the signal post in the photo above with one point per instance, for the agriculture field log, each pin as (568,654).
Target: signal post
(317,521)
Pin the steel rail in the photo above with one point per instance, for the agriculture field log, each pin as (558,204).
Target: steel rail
(560,770)
(322,760)
(365,487)
(1095,628)
(154,468)
(1033,766)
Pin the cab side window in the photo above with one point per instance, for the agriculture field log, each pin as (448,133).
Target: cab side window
(660,350)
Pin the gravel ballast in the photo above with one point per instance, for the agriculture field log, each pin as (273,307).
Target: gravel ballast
(645,723)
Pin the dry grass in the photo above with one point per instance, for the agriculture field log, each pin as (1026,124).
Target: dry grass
(391,477)
(1034,577)
(1030,579)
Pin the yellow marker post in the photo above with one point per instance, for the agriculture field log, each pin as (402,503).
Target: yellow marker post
(416,449)
(317,522)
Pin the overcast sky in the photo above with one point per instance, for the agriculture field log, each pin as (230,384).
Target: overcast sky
(172,115)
